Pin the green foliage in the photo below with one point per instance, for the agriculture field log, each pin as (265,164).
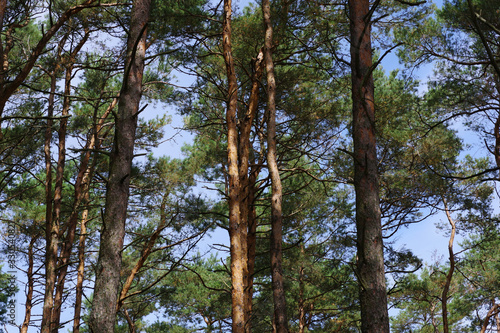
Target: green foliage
(198,295)
(7,295)
(413,152)
(471,291)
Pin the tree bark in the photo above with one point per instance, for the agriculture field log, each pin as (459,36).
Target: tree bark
(237,230)
(280,318)
(103,313)
(449,276)
(31,283)
(4,60)
(67,246)
(497,320)
(497,143)
(82,187)
(370,255)
(301,300)
(247,184)
(251,245)
(80,271)
(51,227)
(130,322)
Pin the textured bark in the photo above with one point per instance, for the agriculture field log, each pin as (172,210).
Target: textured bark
(251,247)
(31,281)
(449,276)
(302,310)
(247,185)
(51,228)
(237,231)
(66,249)
(370,256)
(103,313)
(82,187)
(301,301)
(80,272)
(280,318)
(4,60)
(3,6)
(497,142)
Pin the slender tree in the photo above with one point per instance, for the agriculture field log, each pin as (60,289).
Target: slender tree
(51,222)
(237,231)
(280,318)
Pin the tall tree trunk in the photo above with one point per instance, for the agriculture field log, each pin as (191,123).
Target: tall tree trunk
(370,255)
(247,184)
(31,283)
(280,317)
(103,313)
(237,230)
(66,248)
(4,59)
(83,184)
(496,151)
(251,245)
(51,229)
(81,188)
(3,7)
(80,271)
(449,276)
(301,301)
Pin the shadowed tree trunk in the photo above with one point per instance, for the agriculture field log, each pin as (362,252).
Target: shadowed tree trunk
(85,175)
(31,282)
(66,248)
(103,313)
(251,244)
(280,319)
(51,222)
(50,230)
(449,276)
(370,255)
(247,185)
(81,271)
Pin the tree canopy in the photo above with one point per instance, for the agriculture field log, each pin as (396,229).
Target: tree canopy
(309,166)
